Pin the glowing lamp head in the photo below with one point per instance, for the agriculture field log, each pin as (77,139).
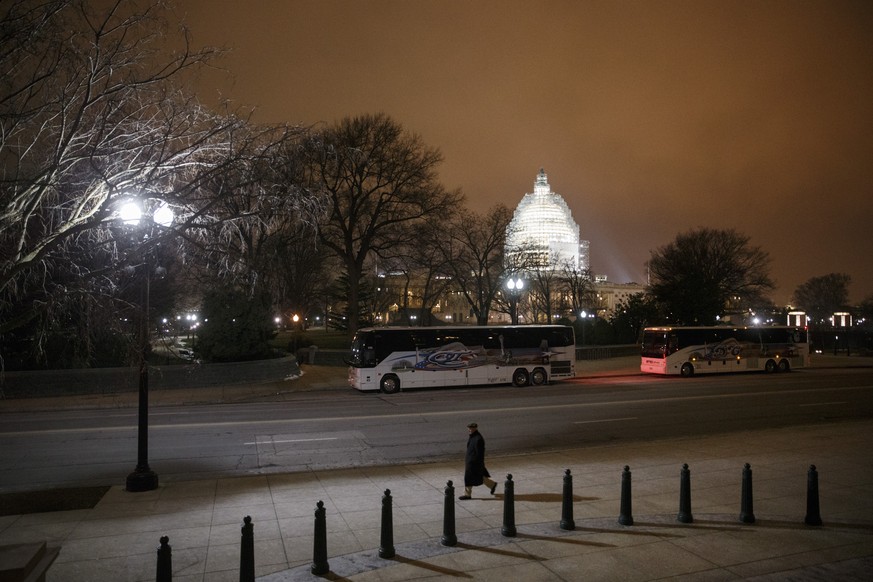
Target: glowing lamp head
(163,215)
(130,213)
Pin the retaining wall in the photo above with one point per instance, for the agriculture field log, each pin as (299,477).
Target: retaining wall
(114,380)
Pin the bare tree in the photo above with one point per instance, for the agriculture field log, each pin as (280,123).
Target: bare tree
(91,114)
(474,248)
(700,273)
(95,112)
(632,315)
(556,285)
(380,183)
(545,284)
(824,295)
(577,287)
(865,318)
(431,269)
(258,227)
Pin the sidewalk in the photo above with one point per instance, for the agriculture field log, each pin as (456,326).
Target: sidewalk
(117,539)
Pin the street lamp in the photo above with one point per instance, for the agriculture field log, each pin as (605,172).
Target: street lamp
(514,288)
(143,478)
(584,315)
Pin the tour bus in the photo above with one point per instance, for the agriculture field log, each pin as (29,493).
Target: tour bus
(706,350)
(391,358)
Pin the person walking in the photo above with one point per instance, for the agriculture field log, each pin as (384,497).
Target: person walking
(475,472)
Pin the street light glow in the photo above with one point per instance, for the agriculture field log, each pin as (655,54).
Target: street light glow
(163,215)
(514,286)
(130,212)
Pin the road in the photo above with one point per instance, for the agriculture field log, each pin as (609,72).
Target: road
(342,428)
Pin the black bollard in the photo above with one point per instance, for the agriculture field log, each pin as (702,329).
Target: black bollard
(508,529)
(386,545)
(747,513)
(165,561)
(625,516)
(319,545)
(247,551)
(567,503)
(449,538)
(684,515)
(813,513)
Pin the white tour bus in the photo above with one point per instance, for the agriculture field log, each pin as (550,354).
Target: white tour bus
(707,350)
(391,358)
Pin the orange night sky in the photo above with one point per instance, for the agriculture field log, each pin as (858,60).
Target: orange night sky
(650,117)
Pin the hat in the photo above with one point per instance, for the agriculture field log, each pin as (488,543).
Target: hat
(472,425)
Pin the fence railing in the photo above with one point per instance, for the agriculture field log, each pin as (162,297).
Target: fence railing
(606,352)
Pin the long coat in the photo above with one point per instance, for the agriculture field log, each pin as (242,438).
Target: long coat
(474,462)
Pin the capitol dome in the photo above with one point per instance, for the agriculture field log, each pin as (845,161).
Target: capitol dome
(542,232)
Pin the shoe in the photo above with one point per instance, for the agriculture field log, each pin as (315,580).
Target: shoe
(493,488)
(464,497)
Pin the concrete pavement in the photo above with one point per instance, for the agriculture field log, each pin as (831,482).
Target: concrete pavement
(117,539)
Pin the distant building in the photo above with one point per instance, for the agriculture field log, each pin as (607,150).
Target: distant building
(612,295)
(542,232)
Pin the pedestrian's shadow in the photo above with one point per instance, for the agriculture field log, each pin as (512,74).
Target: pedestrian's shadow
(499,552)
(545,497)
(333,577)
(564,540)
(432,567)
(782,524)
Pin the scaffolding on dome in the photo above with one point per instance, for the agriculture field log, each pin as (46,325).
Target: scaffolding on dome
(542,232)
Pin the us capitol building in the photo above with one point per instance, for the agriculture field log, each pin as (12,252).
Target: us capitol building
(542,235)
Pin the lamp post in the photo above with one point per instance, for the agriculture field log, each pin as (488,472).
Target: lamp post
(584,316)
(143,478)
(514,287)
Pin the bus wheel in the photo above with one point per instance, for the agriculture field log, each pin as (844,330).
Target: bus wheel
(538,377)
(390,384)
(784,366)
(770,366)
(687,370)
(520,377)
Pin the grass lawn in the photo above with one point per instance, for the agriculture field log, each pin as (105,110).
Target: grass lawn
(325,340)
